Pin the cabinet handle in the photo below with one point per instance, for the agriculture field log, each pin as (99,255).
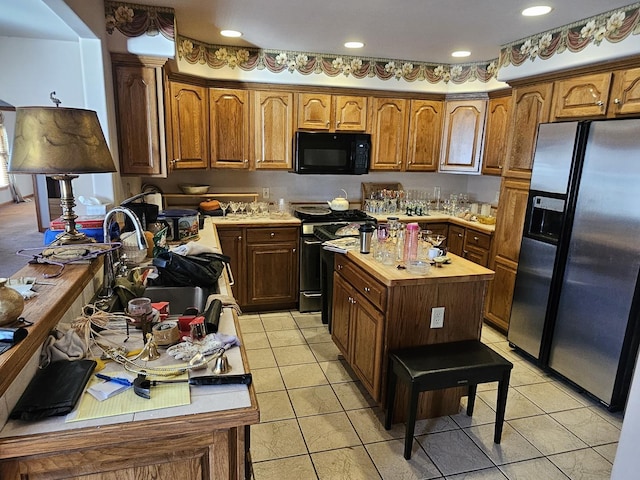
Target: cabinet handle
(617,101)
(294,250)
(600,103)
(339,267)
(367,289)
(464,253)
(328,123)
(460,235)
(239,238)
(337,123)
(476,238)
(246,160)
(174,161)
(272,234)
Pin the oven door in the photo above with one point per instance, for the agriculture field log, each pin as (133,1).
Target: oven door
(310,296)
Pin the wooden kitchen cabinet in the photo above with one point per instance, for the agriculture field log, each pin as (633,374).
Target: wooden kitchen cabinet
(455,241)
(514,194)
(334,113)
(264,263)
(425,134)
(232,243)
(357,324)
(140,112)
(388,135)
(273,129)
(272,266)
(531,106)
(583,96)
(463,133)
(625,95)
(494,156)
(470,244)
(229,127)
(188,126)
(378,309)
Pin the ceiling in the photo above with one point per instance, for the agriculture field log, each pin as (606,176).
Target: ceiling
(417,30)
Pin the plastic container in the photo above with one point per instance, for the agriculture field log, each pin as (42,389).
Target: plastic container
(411,242)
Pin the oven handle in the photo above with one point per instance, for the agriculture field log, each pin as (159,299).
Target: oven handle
(311,295)
(312,242)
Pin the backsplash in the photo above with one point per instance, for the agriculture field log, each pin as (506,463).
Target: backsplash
(320,188)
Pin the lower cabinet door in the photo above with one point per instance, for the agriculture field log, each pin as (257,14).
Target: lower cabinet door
(366,331)
(342,298)
(272,270)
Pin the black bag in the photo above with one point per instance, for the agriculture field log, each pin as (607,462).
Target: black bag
(189,270)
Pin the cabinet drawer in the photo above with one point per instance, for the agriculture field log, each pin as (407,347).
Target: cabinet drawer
(476,239)
(261,235)
(369,288)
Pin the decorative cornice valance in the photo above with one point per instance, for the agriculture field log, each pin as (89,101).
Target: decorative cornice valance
(137,20)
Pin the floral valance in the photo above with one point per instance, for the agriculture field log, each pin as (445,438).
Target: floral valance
(277,61)
(137,20)
(613,26)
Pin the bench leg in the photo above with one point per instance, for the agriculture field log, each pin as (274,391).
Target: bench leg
(391,396)
(411,420)
(471,399)
(501,405)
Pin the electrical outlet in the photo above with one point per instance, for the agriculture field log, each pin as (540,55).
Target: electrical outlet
(265,193)
(437,317)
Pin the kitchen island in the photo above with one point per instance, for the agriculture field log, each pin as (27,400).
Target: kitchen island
(206,439)
(379,308)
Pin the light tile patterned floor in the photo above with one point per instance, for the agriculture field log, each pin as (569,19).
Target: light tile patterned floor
(318,422)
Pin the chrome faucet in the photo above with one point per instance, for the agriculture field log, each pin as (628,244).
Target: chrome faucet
(109,276)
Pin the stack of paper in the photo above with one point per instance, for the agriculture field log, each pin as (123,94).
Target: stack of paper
(342,245)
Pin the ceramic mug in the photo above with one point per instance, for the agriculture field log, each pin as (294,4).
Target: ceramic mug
(435,252)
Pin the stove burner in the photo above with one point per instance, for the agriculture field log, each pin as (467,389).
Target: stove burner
(313,214)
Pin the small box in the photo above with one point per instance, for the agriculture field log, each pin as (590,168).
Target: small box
(83,221)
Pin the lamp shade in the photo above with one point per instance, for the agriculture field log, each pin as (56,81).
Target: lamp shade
(54,140)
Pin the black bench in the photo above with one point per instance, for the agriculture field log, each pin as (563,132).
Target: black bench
(445,365)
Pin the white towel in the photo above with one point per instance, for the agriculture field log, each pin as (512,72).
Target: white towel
(194,248)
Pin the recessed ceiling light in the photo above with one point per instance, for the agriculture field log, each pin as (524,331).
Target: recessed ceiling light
(230,33)
(354,44)
(536,11)
(460,53)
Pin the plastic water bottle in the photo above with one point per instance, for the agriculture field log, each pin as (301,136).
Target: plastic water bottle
(411,242)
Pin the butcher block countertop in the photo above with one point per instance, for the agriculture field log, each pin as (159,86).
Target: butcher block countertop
(459,270)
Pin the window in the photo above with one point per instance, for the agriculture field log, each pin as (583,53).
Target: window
(4,153)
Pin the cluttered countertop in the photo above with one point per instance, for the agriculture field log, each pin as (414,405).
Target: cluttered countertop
(213,404)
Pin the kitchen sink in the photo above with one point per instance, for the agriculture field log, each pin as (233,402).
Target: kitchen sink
(180,298)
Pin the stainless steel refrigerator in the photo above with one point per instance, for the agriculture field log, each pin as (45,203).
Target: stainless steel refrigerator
(576,304)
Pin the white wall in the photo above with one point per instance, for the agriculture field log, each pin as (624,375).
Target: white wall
(318,188)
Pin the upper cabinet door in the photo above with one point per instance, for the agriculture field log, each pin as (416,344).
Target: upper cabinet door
(273,123)
(314,111)
(495,136)
(388,133)
(317,111)
(585,96)
(139,112)
(463,134)
(626,93)
(229,127)
(531,106)
(189,126)
(425,134)
(350,113)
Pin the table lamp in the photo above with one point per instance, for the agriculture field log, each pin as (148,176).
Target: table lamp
(60,143)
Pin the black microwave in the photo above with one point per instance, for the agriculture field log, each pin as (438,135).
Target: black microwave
(331,153)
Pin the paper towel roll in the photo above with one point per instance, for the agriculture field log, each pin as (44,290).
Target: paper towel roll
(155,199)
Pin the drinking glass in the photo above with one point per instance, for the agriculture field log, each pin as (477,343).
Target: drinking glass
(264,208)
(253,208)
(243,208)
(223,207)
(436,194)
(234,208)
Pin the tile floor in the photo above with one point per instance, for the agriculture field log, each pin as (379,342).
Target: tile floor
(317,421)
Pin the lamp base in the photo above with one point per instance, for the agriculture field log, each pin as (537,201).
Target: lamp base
(67,238)
(71,235)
